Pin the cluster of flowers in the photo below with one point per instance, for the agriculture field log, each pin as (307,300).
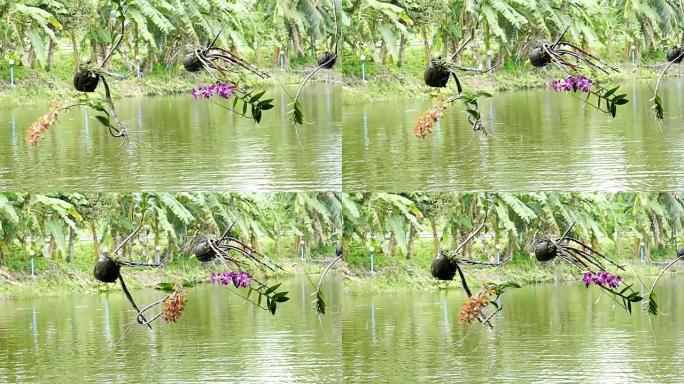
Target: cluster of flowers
(603,279)
(222,89)
(238,279)
(574,84)
(473,307)
(40,126)
(427,120)
(174,306)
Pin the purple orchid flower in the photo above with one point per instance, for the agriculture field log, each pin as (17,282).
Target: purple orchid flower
(602,279)
(574,84)
(219,88)
(237,279)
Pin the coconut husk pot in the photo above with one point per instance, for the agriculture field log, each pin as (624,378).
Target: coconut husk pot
(86,81)
(328,60)
(538,57)
(436,75)
(192,63)
(204,252)
(545,250)
(106,270)
(675,54)
(443,268)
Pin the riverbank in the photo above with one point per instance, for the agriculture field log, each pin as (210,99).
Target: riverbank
(390,81)
(36,86)
(390,275)
(382,81)
(56,277)
(398,274)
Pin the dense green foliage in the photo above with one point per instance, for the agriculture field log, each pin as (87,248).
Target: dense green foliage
(158,32)
(51,224)
(616,223)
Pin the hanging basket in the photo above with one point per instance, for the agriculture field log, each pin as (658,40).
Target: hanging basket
(192,63)
(675,54)
(106,270)
(436,75)
(539,57)
(86,81)
(204,252)
(443,268)
(328,60)
(545,250)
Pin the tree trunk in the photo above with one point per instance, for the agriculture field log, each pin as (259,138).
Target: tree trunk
(2,256)
(411,240)
(32,57)
(168,258)
(655,228)
(74,49)
(454,235)
(402,48)
(435,237)
(72,239)
(51,55)
(52,247)
(93,51)
(345,246)
(156,244)
(391,245)
(257,52)
(383,52)
(297,242)
(254,240)
(96,241)
(426,44)
(296,38)
(149,63)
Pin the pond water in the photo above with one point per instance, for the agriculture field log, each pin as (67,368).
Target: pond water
(546,333)
(538,140)
(219,338)
(178,143)
(550,333)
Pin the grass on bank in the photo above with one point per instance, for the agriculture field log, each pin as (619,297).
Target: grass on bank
(383,80)
(388,80)
(397,274)
(59,277)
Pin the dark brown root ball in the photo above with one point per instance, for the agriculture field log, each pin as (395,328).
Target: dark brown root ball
(675,54)
(192,63)
(443,268)
(106,270)
(680,252)
(436,74)
(539,57)
(204,252)
(86,81)
(545,250)
(328,60)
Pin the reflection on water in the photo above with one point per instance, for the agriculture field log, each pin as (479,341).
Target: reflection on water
(539,140)
(219,338)
(549,333)
(178,143)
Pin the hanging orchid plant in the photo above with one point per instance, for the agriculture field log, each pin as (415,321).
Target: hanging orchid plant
(674,56)
(561,53)
(447,264)
(594,266)
(86,80)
